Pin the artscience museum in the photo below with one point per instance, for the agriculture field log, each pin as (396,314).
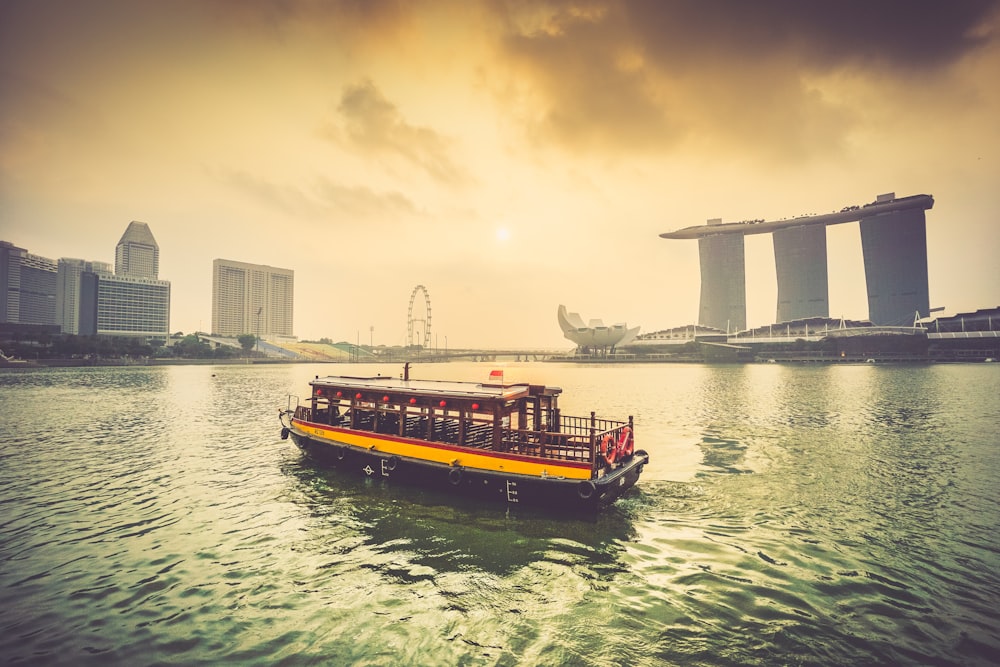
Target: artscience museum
(593,335)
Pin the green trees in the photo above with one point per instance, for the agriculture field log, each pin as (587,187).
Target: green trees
(246,341)
(193,347)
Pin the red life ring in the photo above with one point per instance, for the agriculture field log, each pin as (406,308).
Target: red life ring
(625,443)
(609,449)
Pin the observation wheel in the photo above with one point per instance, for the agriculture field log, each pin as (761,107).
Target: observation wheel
(423,334)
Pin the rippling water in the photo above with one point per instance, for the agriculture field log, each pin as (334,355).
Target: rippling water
(790,515)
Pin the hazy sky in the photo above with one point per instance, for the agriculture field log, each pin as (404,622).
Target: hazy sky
(510,156)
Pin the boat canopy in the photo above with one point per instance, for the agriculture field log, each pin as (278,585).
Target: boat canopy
(437,388)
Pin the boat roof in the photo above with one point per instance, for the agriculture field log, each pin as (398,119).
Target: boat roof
(454,388)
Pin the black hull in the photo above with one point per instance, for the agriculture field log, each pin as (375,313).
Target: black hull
(484,485)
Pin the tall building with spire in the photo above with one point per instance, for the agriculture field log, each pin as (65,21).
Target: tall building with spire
(86,298)
(133,301)
(137,254)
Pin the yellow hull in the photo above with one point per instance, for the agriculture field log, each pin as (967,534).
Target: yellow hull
(443,453)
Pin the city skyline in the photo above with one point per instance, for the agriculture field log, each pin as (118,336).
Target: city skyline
(509,157)
(87,297)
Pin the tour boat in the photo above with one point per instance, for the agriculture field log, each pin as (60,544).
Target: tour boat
(490,440)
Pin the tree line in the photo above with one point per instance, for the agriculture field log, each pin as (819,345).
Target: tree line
(69,346)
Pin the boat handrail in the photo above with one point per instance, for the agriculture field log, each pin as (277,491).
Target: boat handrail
(572,438)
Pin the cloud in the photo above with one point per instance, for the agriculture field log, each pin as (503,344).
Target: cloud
(371,124)
(643,75)
(324,201)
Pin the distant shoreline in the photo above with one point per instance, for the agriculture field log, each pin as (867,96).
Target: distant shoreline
(795,361)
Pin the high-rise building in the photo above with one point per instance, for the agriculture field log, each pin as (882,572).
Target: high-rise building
(893,243)
(251,299)
(134,301)
(128,306)
(894,247)
(76,305)
(723,283)
(27,287)
(137,254)
(86,298)
(800,267)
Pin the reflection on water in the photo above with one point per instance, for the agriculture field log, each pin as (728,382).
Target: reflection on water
(445,536)
(789,515)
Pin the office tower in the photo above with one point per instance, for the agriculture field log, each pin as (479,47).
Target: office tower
(27,287)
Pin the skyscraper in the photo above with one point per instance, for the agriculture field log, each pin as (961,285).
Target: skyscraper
(251,299)
(134,301)
(69,274)
(800,267)
(137,254)
(894,247)
(893,243)
(723,282)
(27,287)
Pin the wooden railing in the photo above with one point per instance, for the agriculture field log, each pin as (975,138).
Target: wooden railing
(576,440)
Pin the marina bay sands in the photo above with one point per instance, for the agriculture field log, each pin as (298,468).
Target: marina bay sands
(894,249)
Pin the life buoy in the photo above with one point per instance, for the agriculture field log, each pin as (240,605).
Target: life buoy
(609,449)
(455,476)
(626,445)
(585,489)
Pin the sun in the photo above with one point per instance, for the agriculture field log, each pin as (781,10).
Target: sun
(502,234)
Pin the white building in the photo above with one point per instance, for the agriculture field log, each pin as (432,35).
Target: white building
(137,254)
(252,299)
(134,301)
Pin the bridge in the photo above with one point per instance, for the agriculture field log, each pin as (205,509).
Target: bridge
(431,356)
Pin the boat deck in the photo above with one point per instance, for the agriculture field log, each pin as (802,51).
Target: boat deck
(572,445)
(516,418)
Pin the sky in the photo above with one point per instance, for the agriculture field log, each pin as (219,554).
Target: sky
(508,156)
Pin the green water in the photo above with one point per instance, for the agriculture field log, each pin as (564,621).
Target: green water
(789,515)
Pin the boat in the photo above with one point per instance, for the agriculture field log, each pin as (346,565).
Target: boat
(491,441)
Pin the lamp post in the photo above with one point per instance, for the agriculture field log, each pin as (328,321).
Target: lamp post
(259,308)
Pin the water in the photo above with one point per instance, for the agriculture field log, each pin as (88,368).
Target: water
(790,515)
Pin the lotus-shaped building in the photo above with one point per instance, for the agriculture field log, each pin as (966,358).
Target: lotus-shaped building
(593,335)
